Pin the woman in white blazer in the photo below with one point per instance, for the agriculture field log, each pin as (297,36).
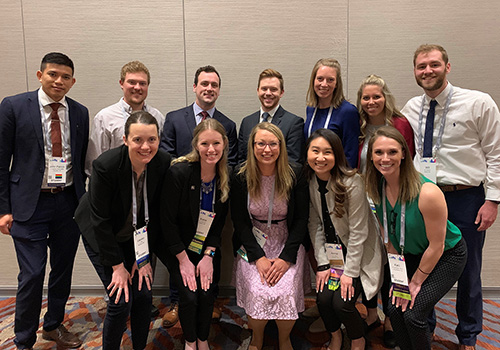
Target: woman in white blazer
(340,217)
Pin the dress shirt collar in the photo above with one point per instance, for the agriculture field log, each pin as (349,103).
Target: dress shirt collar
(197,110)
(126,107)
(272,112)
(441,98)
(45,99)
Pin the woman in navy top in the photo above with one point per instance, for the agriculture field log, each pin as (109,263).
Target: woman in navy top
(327,108)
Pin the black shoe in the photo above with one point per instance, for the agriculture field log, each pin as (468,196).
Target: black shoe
(389,339)
(154,311)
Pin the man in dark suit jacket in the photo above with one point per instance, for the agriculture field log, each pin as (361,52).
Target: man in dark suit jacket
(270,91)
(37,198)
(179,125)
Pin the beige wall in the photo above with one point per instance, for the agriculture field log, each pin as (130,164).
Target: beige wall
(174,37)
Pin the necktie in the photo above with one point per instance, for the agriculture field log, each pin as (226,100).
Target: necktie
(204,115)
(266,117)
(429,129)
(55,130)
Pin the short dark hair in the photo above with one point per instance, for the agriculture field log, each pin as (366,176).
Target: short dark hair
(140,117)
(206,69)
(57,58)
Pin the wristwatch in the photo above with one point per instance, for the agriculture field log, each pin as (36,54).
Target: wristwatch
(210,253)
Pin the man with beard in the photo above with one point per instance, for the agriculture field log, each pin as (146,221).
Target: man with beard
(108,125)
(458,147)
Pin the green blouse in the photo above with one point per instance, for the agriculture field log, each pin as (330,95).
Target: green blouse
(415,235)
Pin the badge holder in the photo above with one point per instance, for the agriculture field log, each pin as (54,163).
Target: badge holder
(57,172)
(428,168)
(336,258)
(261,239)
(399,277)
(205,220)
(141,246)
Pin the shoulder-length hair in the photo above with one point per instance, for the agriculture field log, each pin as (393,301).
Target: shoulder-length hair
(390,103)
(409,178)
(194,156)
(285,176)
(340,170)
(338,93)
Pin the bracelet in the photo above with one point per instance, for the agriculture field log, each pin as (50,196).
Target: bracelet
(210,253)
(425,273)
(323,267)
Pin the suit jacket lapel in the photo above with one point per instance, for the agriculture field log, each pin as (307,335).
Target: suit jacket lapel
(277,116)
(125,170)
(73,118)
(36,118)
(190,119)
(194,191)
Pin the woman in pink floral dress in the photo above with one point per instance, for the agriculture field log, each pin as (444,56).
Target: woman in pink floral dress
(270,209)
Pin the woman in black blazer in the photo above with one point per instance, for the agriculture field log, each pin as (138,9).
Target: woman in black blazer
(109,234)
(269,197)
(198,188)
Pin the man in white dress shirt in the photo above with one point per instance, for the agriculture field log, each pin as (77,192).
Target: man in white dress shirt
(108,125)
(458,146)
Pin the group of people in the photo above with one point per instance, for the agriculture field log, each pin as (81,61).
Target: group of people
(363,189)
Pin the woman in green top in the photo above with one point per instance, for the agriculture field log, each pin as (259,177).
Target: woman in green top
(416,222)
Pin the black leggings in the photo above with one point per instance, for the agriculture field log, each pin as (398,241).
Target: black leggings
(384,293)
(195,308)
(334,310)
(410,327)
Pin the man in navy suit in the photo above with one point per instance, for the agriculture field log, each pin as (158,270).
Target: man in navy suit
(179,125)
(270,90)
(43,142)
(177,136)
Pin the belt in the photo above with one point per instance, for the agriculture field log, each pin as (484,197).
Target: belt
(453,188)
(52,190)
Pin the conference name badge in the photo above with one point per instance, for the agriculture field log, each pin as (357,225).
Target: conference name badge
(428,168)
(261,239)
(57,172)
(205,220)
(141,246)
(336,258)
(399,278)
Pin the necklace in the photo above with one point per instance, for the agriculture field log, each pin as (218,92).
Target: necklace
(207,187)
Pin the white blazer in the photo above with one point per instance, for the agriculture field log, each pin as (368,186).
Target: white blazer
(358,229)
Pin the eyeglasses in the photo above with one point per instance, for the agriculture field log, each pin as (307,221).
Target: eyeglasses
(262,145)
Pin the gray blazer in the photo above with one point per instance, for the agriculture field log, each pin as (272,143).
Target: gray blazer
(357,229)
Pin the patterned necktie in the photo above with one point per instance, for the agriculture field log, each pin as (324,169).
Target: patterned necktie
(266,117)
(429,129)
(55,131)
(204,115)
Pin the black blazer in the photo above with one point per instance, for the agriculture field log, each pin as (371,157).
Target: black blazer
(180,212)
(21,141)
(291,126)
(110,198)
(178,133)
(297,217)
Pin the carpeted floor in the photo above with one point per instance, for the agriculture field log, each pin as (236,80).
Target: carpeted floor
(85,317)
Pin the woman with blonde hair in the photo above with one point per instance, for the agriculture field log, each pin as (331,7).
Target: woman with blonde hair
(194,213)
(414,218)
(269,208)
(377,107)
(327,107)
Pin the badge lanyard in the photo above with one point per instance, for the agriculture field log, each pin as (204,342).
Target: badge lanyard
(402,228)
(141,245)
(270,211)
(441,127)
(205,219)
(327,122)
(134,202)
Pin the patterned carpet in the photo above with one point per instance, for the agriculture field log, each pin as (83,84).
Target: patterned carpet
(85,317)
